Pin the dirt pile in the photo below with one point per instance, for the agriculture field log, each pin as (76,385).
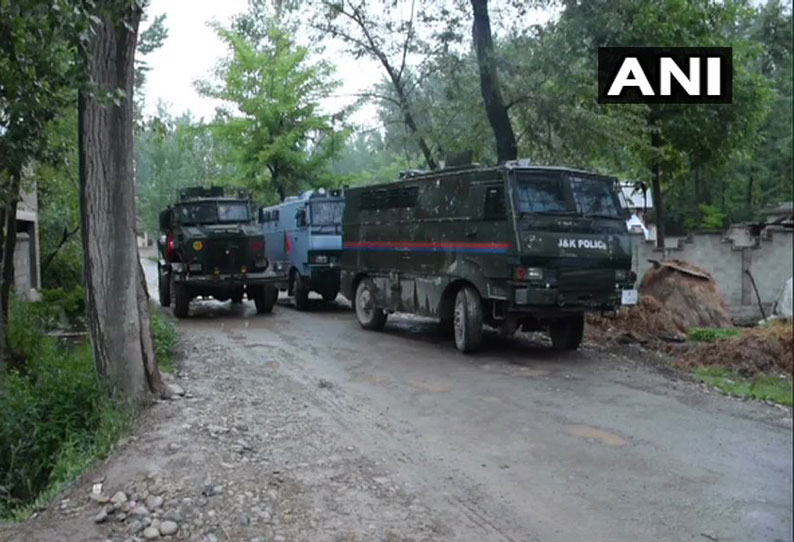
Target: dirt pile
(766,349)
(675,296)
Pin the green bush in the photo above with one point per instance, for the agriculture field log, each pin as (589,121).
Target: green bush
(709,335)
(58,308)
(166,338)
(55,415)
(66,269)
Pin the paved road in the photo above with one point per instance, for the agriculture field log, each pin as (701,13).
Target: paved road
(521,443)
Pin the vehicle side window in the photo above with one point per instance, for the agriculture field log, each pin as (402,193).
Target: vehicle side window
(495,208)
(393,198)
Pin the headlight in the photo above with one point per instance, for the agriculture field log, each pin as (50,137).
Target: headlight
(319,258)
(621,274)
(528,273)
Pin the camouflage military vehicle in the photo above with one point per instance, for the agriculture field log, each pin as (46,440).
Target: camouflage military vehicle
(509,246)
(210,246)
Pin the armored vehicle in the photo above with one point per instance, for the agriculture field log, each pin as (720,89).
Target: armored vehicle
(209,245)
(509,246)
(303,236)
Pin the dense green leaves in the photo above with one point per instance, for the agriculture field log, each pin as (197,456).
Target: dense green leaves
(275,130)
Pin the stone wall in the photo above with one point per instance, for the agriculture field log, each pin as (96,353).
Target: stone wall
(726,255)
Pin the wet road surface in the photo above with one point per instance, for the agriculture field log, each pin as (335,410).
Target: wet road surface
(518,442)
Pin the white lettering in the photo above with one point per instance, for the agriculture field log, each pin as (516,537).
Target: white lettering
(592,244)
(630,74)
(668,69)
(713,76)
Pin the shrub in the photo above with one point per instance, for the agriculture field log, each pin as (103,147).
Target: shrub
(166,338)
(66,269)
(58,308)
(55,415)
(709,334)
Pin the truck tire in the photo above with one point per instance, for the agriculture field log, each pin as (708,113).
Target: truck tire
(300,293)
(264,299)
(368,315)
(468,319)
(566,332)
(181,300)
(163,288)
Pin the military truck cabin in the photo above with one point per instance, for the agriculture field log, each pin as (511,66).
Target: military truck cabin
(210,246)
(509,246)
(303,236)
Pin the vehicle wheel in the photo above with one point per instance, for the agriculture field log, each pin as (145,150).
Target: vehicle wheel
(566,332)
(181,300)
(468,319)
(163,288)
(330,295)
(264,299)
(369,316)
(300,293)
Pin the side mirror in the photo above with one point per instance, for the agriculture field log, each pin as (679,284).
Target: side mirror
(300,217)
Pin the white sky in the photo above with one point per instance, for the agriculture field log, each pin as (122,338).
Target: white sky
(192,49)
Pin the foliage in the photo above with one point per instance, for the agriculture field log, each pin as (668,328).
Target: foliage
(277,134)
(166,338)
(735,159)
(172,153)
(762,387)
(708,335)
(55,417)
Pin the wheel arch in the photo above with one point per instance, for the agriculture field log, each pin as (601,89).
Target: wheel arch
(446,306)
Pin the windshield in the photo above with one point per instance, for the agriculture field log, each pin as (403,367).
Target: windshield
(211,212)
(557,192)
(326,213)
(233,212)
(595,196)
(543,192)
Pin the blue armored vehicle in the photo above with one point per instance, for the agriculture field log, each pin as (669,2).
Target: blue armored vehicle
(303,239)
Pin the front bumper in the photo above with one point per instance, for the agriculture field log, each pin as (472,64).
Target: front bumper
(528,298)
(229,279)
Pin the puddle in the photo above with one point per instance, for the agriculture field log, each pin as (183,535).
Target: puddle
(594,433)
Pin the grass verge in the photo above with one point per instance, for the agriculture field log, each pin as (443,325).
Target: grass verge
(56,417)
(763,387)
(710,334)
(166,338)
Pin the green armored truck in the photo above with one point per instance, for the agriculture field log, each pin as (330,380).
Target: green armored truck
(509,246)
(210,246)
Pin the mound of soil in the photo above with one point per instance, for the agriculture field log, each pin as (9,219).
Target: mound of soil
(675,296)
(767,349)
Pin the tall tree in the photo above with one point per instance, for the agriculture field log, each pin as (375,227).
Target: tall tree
(495,108)
(384,31)
(117,302)
(281,138)
(35,75)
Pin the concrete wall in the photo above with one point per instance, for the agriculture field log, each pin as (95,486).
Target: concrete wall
(22,267)
(726,255)
(27,257)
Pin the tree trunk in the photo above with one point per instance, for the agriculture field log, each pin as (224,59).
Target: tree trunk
(117,301)
(408,117)
(8,242)
(495,109)
(656,176)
